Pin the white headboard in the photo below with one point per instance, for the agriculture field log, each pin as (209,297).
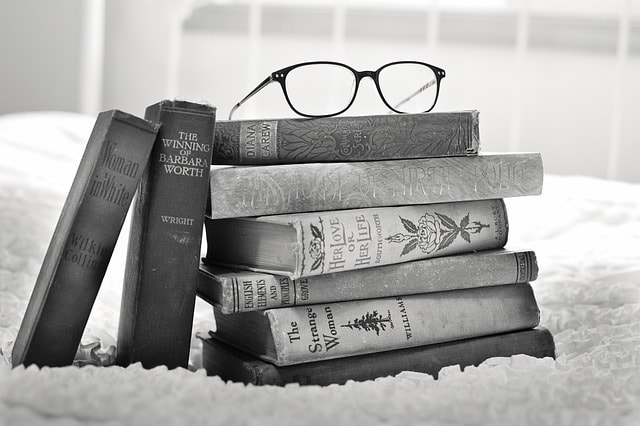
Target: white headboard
(559,77)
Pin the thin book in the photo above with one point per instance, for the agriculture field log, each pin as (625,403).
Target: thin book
(235,290)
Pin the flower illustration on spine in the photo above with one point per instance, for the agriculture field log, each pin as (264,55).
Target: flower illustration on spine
(434,232)
(371,321)
(316,247)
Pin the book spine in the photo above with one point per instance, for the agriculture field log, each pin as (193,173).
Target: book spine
(84,238)
(246,291)
(232,364)
(327,331)
(165,239)
(243,291)
(344,240)
(264,190)
(347,240)
(377,137)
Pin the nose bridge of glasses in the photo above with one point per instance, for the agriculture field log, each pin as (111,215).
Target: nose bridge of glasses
(373,75)
(363,74)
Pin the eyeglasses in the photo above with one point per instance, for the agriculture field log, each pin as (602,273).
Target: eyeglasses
(325,88)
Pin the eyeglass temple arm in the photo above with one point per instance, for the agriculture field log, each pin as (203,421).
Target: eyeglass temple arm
(260,86)
(416,93)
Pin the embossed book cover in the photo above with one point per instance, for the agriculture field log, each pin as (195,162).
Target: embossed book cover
(344,138)
(291,188)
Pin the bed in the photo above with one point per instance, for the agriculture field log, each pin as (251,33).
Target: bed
(586,233)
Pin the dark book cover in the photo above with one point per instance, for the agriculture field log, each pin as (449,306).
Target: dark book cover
(164,245)
(346,138)
(84,238)
(220,359)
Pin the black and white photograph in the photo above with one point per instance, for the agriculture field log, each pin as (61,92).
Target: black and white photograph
(320,212)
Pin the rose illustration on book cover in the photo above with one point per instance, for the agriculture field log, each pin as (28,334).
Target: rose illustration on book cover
(316,247)
(433,233)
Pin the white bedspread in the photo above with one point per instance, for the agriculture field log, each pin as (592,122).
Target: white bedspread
(586,233)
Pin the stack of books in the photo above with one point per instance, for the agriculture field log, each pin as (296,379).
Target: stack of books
(342,248)
(351,248)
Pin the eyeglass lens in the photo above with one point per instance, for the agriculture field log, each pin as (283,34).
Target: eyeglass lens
(323,89)
(320,89)
(408,87)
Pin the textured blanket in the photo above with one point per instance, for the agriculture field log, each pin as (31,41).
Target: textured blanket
(586,233)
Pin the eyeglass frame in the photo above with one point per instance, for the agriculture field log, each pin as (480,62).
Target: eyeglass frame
(280,77)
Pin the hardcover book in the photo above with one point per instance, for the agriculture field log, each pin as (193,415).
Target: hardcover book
(232,290)
(306,244)
(220,359)
(343,138)
(294,335)
(161,272)
(291,188)
(83,240)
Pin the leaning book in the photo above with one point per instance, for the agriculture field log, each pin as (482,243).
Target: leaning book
(220,359)
(286,336)
(161,273)
(235,290)
(307,244)
(84,238)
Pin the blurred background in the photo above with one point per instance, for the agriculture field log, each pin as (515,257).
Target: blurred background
(561,77)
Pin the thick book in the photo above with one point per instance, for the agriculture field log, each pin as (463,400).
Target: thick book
(232,290)
(290,188)
(307,244)
(161,272)
(230,364)
(286,336)
(343,138)
(83,240)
